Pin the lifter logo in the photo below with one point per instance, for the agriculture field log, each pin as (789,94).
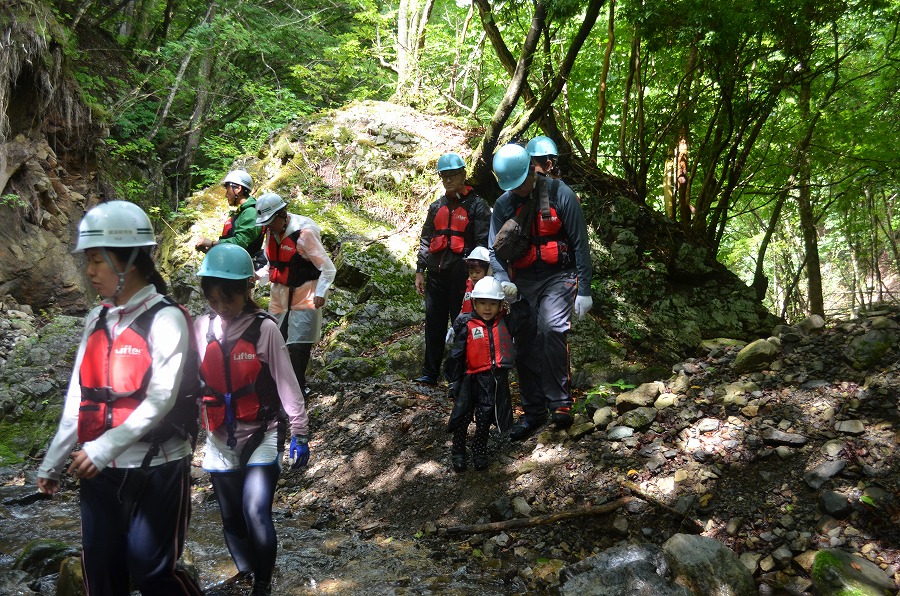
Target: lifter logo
(478,333)
(241,356)
(128,350)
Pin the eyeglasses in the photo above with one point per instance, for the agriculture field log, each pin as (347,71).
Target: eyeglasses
(233,185)
(449,175)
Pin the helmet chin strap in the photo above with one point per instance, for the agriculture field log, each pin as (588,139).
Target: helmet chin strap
(112,265)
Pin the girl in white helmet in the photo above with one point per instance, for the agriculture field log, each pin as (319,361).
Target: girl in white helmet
(129,407)
(479,265)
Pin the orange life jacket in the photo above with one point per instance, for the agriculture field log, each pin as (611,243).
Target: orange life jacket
(238,387)
(114,376)
(449,229)
(549,241)
(286,265)
(488,345)
(468,305)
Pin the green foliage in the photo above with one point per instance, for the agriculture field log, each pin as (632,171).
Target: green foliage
(13,201)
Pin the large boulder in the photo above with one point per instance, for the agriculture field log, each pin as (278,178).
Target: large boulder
(707,566)
(755,356)
(839,573)
(636,570)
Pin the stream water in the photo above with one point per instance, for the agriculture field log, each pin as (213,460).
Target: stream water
(309,561)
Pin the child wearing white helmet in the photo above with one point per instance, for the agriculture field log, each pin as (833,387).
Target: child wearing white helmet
(478,369)
(131,409)
(479,265)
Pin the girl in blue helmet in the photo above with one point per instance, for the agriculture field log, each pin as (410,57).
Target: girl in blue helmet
(248,382)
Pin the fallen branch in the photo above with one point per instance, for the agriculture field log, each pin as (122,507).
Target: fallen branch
(538,520)
(644,496)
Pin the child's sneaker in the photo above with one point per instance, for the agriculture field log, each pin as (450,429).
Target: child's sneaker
(562,417)
(459,461)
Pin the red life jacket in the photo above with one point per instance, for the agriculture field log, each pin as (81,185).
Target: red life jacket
(449,229)
(114,377)
(238,387)
(549,241)
(286,265)
(488,345)
(468,305)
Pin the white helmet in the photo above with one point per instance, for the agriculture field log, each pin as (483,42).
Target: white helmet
(479,253)
(488,287)
(115,224)
(267,206)
(239,177)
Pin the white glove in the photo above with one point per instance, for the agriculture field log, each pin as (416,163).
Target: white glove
(509,288)
(449,337)
(582,305)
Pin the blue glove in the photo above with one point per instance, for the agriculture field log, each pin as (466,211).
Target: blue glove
(299,451)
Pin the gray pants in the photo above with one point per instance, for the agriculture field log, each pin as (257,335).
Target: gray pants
(543,364)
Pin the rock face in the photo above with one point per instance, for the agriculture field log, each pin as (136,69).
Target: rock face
(48,171)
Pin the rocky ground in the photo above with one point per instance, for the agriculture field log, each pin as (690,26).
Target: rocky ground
(776,464)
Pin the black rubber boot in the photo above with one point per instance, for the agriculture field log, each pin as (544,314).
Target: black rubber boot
(459,461)
(479,443)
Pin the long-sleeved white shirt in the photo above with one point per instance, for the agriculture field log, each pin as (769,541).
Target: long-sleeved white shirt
(120,447)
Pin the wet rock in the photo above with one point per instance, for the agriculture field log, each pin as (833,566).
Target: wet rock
(707,566)
(43,557)
(837,572)
(633,569)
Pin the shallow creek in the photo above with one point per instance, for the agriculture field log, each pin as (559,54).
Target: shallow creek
(309,561)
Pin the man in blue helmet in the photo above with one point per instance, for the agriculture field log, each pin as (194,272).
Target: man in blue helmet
(544,156)
(553,275)
(456,223)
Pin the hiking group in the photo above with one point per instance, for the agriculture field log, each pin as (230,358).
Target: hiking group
(146,376)
(529,270)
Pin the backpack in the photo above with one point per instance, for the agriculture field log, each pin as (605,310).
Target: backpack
(183,420)
(514,237)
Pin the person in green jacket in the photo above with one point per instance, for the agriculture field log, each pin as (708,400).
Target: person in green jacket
(240,227)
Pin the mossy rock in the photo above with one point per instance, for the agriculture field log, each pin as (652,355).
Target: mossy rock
(43,557)
(839,573)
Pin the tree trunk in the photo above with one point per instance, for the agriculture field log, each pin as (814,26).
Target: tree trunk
(195,126)
(481,170)
(807,217)
(601,86)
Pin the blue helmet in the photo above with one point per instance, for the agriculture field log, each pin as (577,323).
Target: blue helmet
(511,166)
(450,161)
(540,146)
(228,261)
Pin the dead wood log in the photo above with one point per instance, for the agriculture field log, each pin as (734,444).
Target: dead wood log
(538,520)
(644,496)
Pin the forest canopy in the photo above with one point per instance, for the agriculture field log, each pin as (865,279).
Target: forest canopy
(766,130)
